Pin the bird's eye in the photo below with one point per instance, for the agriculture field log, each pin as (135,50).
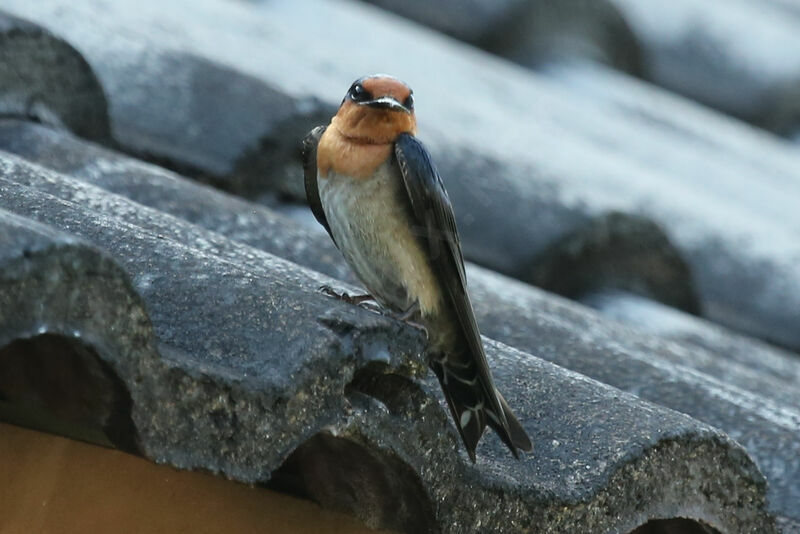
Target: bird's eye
(408,103)
(358,93)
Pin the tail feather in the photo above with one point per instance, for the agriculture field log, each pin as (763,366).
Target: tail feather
(472,411)
(515,433)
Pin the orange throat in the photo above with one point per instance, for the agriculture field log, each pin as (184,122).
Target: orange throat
(359,139)
(349,157)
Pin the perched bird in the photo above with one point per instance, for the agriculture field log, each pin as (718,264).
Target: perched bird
(374,188)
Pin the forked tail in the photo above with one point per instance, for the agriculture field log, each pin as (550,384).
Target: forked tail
(467,395)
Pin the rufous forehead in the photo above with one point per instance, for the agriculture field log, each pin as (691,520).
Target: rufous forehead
(380,86)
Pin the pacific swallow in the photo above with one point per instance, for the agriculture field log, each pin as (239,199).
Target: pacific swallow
(375,189)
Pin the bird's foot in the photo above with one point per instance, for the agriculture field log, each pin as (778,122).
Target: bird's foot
(358,300)
(408,317)
(418,326)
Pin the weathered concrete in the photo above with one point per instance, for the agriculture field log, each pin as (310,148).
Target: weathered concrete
(467,20)
(617,252)
(210,318)
(743,59)
(43,78)
(252,362)
(68,315)
(532,33)
(749,390)
(153,186)
(165,105)
(764,417)
(261,228)
(695,186)
(668,323)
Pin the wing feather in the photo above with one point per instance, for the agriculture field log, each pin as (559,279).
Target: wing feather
(310,143)
(436,227)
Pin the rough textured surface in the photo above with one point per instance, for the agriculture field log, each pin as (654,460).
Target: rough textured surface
(83,307)
(525,134)
(745,388)
(153,186)
(197,345)
(207,392)
(209,316)
(762,413)
(261,228)
(165,104)
(43,78)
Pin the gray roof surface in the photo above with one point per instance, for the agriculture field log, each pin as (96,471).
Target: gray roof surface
(194,317)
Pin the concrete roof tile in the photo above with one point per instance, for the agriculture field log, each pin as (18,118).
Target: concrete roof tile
(207,349)
(525,133)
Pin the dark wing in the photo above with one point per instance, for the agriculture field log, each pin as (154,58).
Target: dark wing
(436,227)
(310,143)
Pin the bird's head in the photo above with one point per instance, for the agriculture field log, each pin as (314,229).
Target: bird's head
(376,109)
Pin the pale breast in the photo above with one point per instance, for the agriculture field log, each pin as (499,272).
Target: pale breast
(371,225)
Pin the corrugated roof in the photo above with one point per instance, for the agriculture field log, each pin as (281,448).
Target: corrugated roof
(195,314)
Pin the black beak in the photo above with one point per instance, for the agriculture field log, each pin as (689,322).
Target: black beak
(386,102)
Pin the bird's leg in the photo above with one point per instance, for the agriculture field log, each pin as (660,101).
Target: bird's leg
(358,300)
(410,314)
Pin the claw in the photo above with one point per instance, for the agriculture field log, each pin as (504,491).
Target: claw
(420,327)
(363,301)
(358,300)
(409,314)
(328,290)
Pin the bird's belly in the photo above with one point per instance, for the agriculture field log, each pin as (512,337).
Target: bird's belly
(372,227)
